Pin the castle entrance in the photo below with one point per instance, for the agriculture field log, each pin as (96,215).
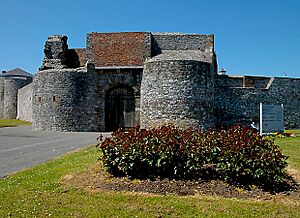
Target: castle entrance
(119,108)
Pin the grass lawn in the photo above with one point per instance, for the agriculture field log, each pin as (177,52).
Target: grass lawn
(13,122)
(291,147)
(37,193)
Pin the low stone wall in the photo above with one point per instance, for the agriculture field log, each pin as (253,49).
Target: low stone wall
(235,104)
(24,108)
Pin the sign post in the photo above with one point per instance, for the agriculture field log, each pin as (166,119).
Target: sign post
(271,118)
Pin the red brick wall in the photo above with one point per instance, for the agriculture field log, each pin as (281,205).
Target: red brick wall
(81,52)
(118,49)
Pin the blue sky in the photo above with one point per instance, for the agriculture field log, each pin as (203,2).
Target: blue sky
(252,37)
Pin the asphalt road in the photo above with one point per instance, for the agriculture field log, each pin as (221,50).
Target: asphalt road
(21,147)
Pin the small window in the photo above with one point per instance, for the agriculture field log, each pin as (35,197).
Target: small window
(55,98)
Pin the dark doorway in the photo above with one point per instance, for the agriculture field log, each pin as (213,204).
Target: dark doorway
(119,108)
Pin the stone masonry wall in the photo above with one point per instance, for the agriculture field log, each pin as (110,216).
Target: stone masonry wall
(177,41)
(64,100)
(177,92)
(235,104)
(74,99)
(1,97)
(256,82)
(55,52)
(24,107)
(110,78)
(118,49)
(11,86)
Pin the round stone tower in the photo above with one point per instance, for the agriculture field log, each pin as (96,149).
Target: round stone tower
(11,82)
(63,97)
(178,92)
(12,85)
(64,100)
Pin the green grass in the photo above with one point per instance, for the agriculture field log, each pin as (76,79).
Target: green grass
(13,122)
(37,193)
(291,147)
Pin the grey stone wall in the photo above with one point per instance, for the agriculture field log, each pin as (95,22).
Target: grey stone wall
(55,51)
(1,97)
(179,41)
(11,86)
(177,92)
(64,100)
(240,103)
(74,99)
(255,82)
(24,103)
(110,78)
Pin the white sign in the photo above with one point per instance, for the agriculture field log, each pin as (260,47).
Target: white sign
(271,118)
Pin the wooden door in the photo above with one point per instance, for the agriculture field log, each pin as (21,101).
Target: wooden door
(119,108)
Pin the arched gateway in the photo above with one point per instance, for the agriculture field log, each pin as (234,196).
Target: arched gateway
(119,108)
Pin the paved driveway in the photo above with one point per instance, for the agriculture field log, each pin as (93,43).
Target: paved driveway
(21,147)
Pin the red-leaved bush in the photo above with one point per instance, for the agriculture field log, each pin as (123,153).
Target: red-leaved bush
(238,154)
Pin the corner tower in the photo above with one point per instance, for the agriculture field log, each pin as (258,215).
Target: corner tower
(178,81)
(64,90)
(10,82)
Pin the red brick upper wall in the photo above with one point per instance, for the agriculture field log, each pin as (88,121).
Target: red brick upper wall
(118,49)
(81,52)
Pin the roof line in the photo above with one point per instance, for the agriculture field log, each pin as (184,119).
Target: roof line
(119,67)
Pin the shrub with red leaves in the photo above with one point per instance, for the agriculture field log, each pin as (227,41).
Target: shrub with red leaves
(247,157)
(238,154)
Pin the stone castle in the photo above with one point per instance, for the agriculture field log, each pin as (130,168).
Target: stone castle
(147,79)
